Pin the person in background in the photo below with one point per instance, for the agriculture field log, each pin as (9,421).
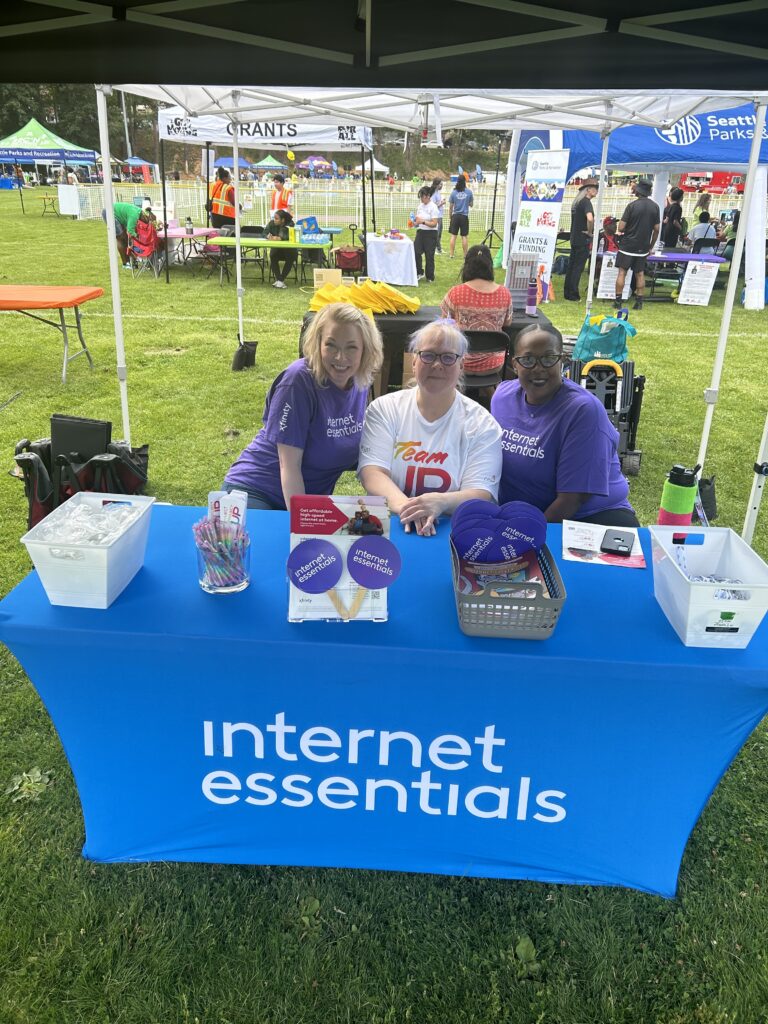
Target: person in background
(428,448)
(439,200)
(282,197)
(281,261)
(638,230)
(71,176)
(706,228)
(610,242)
(127,215)
(479,304)
(559,449)
(459,203)
(703,201)
(425,242)
(729,236)
(582,231)
(222,200)
(313,414)
(672,224)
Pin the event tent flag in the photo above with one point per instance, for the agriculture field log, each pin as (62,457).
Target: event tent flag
(36,142)
(174,124)
(718,140)
(269,164)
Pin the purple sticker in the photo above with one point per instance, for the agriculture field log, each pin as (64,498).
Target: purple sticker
(373,562)
(472,543)
(315,566)
(474,507)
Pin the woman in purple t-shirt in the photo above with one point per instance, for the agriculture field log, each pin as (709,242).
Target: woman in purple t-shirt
(559,449)
(313,415)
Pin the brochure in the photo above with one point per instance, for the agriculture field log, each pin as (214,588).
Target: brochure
(341,561)
(586,542)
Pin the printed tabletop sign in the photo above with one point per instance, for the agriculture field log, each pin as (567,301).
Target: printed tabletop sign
(341,561)
(699,280)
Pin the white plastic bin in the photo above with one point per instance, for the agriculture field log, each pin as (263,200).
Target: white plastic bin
(87,575)
(709,614)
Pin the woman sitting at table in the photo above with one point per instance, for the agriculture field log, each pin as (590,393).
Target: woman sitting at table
(428,448)
(559,448)
(313,414)
(479,304)
(281,261)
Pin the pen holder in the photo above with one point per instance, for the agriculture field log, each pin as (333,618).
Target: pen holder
(225,568)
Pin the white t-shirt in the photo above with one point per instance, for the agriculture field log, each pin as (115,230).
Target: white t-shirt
(462,449)
(702,231)
(428,211)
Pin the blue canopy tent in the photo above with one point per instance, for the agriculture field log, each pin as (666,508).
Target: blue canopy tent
(719,140)
(229,163)
(731,139)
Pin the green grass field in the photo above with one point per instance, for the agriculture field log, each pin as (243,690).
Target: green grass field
(205,944)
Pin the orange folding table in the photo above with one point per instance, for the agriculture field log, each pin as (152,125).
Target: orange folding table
(21,298)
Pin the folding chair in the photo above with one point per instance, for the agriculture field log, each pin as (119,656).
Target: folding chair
(486,372)
(257,257)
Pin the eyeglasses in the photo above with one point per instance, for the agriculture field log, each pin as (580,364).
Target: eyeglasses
(548,360)
(446,358)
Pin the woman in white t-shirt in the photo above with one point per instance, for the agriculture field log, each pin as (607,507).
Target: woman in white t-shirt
(428,448)
(439,200)
(425,243)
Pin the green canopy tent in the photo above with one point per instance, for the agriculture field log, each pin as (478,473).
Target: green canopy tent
(269,164)
(34,143)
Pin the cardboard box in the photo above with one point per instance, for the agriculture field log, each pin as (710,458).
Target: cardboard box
(327,276)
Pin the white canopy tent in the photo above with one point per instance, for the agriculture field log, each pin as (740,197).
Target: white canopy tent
(378,168)
(432,111)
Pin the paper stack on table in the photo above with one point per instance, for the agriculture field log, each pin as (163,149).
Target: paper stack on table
(370,296)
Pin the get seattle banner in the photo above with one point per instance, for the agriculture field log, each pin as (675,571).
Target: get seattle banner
(175,125)
(542,199)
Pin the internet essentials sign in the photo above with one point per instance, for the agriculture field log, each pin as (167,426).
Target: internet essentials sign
(719,140)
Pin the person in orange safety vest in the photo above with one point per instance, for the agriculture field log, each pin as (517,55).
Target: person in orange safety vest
(222,199)
(282,197)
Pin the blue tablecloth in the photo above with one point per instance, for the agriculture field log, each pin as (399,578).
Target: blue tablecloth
(208,728)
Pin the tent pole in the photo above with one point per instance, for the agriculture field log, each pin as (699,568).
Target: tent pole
(20,183)
(365,215)
(754,243)
(758,485)
(165,211)
(125,125)
(509,203)
(238,253)
(114,274)
(603,184)
(710,394)
(373,191)
(207,184)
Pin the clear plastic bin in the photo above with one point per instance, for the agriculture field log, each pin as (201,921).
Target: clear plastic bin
(88,575)
(707,614)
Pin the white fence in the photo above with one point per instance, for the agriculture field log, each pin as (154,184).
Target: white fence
(339,203)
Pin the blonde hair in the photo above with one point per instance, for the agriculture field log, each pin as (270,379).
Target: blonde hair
(344,313)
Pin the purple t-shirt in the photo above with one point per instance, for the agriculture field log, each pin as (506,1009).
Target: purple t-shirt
(568,444)
(325,422)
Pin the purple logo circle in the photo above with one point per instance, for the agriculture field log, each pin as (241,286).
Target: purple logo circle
(315,566)
(373,562)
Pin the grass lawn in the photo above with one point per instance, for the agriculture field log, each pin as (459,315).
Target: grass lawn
(149,944)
